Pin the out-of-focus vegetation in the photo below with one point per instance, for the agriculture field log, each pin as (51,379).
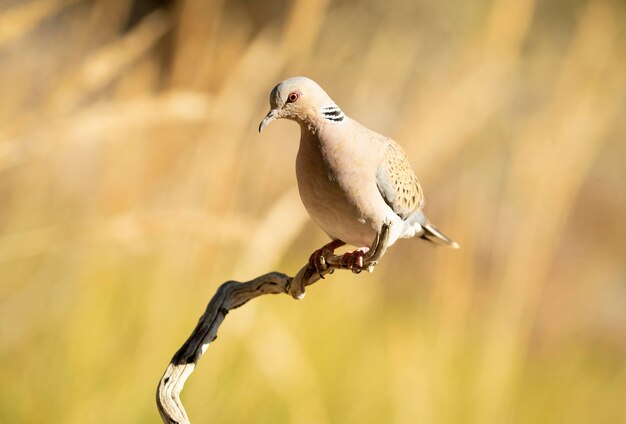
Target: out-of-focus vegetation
(133,182)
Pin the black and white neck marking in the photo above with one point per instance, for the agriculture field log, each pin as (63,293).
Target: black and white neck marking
(333,113)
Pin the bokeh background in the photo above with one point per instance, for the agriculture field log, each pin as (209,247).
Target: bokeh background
(133,182)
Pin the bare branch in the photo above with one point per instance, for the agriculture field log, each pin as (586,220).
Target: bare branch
(231,295)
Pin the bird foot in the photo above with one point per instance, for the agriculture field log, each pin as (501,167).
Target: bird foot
(354,260)
(317,260)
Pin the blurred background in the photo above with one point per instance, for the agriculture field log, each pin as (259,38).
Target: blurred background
(133,182)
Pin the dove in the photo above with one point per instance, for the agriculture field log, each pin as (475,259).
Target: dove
(350,179)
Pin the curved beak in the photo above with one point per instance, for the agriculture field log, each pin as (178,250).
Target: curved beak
(271,115)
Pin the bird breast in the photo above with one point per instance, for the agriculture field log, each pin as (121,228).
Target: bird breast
(336,186)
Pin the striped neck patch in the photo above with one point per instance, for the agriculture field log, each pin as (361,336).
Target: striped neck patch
(332,113)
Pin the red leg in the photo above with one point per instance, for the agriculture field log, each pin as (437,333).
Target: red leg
(317,260)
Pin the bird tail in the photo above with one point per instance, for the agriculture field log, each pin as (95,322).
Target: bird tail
(433,235)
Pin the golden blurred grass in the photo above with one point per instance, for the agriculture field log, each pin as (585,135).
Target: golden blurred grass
(133,182)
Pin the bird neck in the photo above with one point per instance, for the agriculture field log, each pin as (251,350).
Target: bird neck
(309,127)
(315,120)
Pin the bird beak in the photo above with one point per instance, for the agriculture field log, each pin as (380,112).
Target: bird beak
(272,115)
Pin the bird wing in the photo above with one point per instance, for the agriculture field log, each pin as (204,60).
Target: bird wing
(397,182)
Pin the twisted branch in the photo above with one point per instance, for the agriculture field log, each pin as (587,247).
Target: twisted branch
(231,295)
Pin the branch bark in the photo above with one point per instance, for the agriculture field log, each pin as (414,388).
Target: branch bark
(231,295)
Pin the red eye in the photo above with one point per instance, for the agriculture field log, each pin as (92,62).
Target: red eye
(292,97)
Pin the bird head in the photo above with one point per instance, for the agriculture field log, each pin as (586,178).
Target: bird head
(303,100)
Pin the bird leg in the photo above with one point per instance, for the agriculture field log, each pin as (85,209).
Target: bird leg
(354,260)
(317,260)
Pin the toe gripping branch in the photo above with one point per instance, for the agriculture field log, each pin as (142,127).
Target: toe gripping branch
(233,294)
(317,260)
(356,261)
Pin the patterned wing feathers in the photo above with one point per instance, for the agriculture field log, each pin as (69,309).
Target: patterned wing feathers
(398,184)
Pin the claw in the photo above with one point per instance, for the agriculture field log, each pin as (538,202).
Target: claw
(317,262)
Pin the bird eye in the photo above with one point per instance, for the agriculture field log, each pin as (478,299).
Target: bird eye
(292,97)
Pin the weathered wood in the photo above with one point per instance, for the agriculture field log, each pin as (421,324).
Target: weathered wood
(231,295)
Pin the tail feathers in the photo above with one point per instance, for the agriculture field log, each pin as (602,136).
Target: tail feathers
(433,235)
